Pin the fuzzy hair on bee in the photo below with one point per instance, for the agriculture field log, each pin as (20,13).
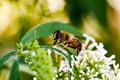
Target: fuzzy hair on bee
(68,39)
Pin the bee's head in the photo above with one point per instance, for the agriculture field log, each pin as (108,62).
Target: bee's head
(56,35)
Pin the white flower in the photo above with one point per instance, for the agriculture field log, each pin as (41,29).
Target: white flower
(64,66)
(72,78)
(49,51)
(34,72)
(118,76)
(33,53)
(34,78)
(53,79)
(91,63)
(25,51)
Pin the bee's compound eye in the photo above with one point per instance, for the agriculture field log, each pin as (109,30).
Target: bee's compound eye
(56,34)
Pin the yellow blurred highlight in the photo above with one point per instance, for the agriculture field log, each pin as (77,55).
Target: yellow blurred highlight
(92,27)
(5,10)
(55,5)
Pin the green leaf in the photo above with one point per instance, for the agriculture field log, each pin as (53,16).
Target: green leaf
(43,30)
(6,57)
(14,73)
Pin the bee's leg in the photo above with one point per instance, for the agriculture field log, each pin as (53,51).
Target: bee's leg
(65,43)
(60,41)
(79,48)
(72,47)
(78,51)
(55,42)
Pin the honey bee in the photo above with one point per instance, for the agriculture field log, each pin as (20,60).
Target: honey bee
(67,39)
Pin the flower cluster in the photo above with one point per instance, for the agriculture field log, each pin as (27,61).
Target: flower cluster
(38,60)
(90,64)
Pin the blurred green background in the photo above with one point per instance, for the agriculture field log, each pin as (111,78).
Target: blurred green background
(97,18)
